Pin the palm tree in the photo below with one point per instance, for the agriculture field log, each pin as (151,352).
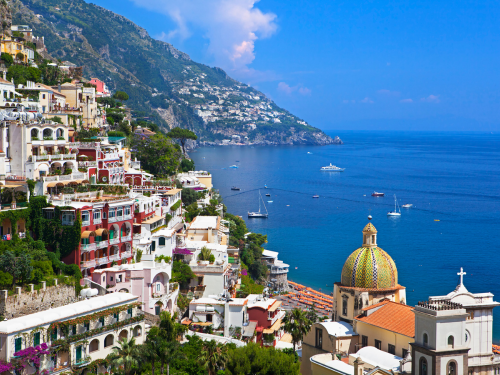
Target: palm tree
(297,325)
(157,348)
(213,356)
(125,355)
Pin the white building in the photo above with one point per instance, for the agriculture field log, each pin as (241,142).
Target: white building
(86,341)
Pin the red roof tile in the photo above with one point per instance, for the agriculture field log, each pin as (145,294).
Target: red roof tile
(391,316)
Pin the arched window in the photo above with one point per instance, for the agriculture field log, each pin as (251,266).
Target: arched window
(423,366)
(452,368)
(161,241)
(344,306)
(426,339)
(94,345)
(137,331)
(451,342)
(109,340)
(123,334)
(34,133)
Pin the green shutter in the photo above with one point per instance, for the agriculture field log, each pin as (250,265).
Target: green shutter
(36,339)
(129,311)
(18,344)
(78,353)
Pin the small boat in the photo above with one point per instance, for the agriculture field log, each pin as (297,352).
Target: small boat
(269,201)
(259,214)
(316,196)
(268,195)
(233,166)
(237,161)
(395,212)
(310,153)
(235,188)
(377,194)
(332,168)
(408,205)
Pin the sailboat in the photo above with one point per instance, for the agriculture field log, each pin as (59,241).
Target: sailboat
(259,214)
(395,212)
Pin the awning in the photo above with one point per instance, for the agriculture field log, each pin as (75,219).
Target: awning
(275,306)
(51,184)
(287,338)
(249,330)
(275,327)
(154,219)
(88,233)
(73,183)
(100,232)
(186,322)
(59,184)
(178,226)
(202,324)
(85,182)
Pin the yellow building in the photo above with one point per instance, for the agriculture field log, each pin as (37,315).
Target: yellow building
(14,46)
(369,276)
(388,326)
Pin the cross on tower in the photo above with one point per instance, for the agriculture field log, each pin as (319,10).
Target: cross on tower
(461,274)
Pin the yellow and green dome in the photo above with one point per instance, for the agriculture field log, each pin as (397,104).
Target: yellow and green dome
(370,267)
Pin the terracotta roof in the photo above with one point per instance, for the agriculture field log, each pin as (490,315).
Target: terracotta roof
(6,82)
(496,349)
(390,316)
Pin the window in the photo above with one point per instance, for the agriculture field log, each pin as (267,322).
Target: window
(161,241)
(391,349)
(85,217)
(104,215)
(111,278)
(364,341)
(111,213)
(127,210)
(117,316)
(319,338)
(86,325)
(73,329)
(451,342)
(36,339)
(18,343)
(53,335)
(344,306)
(426,339)
(423,366)
(452,368)
(157,310)
(405,353)
(378,344)
(158,287)
(43,96)
(101,320)
(209,317)
(129,311)
(97,215)
(119,212)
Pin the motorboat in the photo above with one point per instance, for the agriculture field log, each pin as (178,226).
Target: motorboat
(395,212)
(268,195)
(235,188)
(310,153)
(233,166)
(316,196)
(332,168)
(377,194)
(259,214)
(408,205)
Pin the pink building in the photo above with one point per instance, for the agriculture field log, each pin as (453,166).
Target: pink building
(149,280)
(101,88)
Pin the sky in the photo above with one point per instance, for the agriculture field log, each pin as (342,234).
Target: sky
(360,65)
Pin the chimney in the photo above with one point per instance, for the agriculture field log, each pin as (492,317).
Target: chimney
(358,366)
(5,75)
(59,86)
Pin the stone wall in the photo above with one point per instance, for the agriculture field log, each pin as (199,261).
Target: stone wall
(24,303)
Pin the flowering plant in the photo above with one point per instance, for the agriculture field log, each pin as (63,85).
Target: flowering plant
(31,355)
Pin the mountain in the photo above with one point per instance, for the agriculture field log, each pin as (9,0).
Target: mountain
(164,84)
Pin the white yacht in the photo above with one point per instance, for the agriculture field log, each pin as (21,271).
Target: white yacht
(395,212)
(259,214)
(332,168)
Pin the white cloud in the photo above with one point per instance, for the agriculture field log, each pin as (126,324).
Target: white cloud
(431,99)
(366,100)
(231,26)
(406,101)
(287,89)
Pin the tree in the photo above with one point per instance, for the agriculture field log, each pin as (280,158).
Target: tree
(56,119)
(157,154)
(297,325)
(182,135)
(312,314)
(18,267)
(7,59)
(125,355)
(169,328)
(253,359)
(189,196)
(22,74)
(213,356)
(121,95)
(20,56)
(204,253)
(187,165)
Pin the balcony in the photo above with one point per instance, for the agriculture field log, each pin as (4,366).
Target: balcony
(102,244)
(114,241)
(66,177)
(127,217)
(68,222)
(127,238)
(114,257)
(97,221)
(112,219)
(85,223)
(88,264)
(126,254)
(280,314)
(103,260)
(87,247)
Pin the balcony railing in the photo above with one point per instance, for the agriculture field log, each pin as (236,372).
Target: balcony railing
(126,254)
(85,223)
(114,241)
(88,264)
(127,238)
(112,219)
(98,221)
(39,158)
(103,260)
(88,247)
(102,244)
(114,257)
(127,217)
(67,177)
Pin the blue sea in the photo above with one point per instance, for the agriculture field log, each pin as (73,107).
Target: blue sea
(452,180)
